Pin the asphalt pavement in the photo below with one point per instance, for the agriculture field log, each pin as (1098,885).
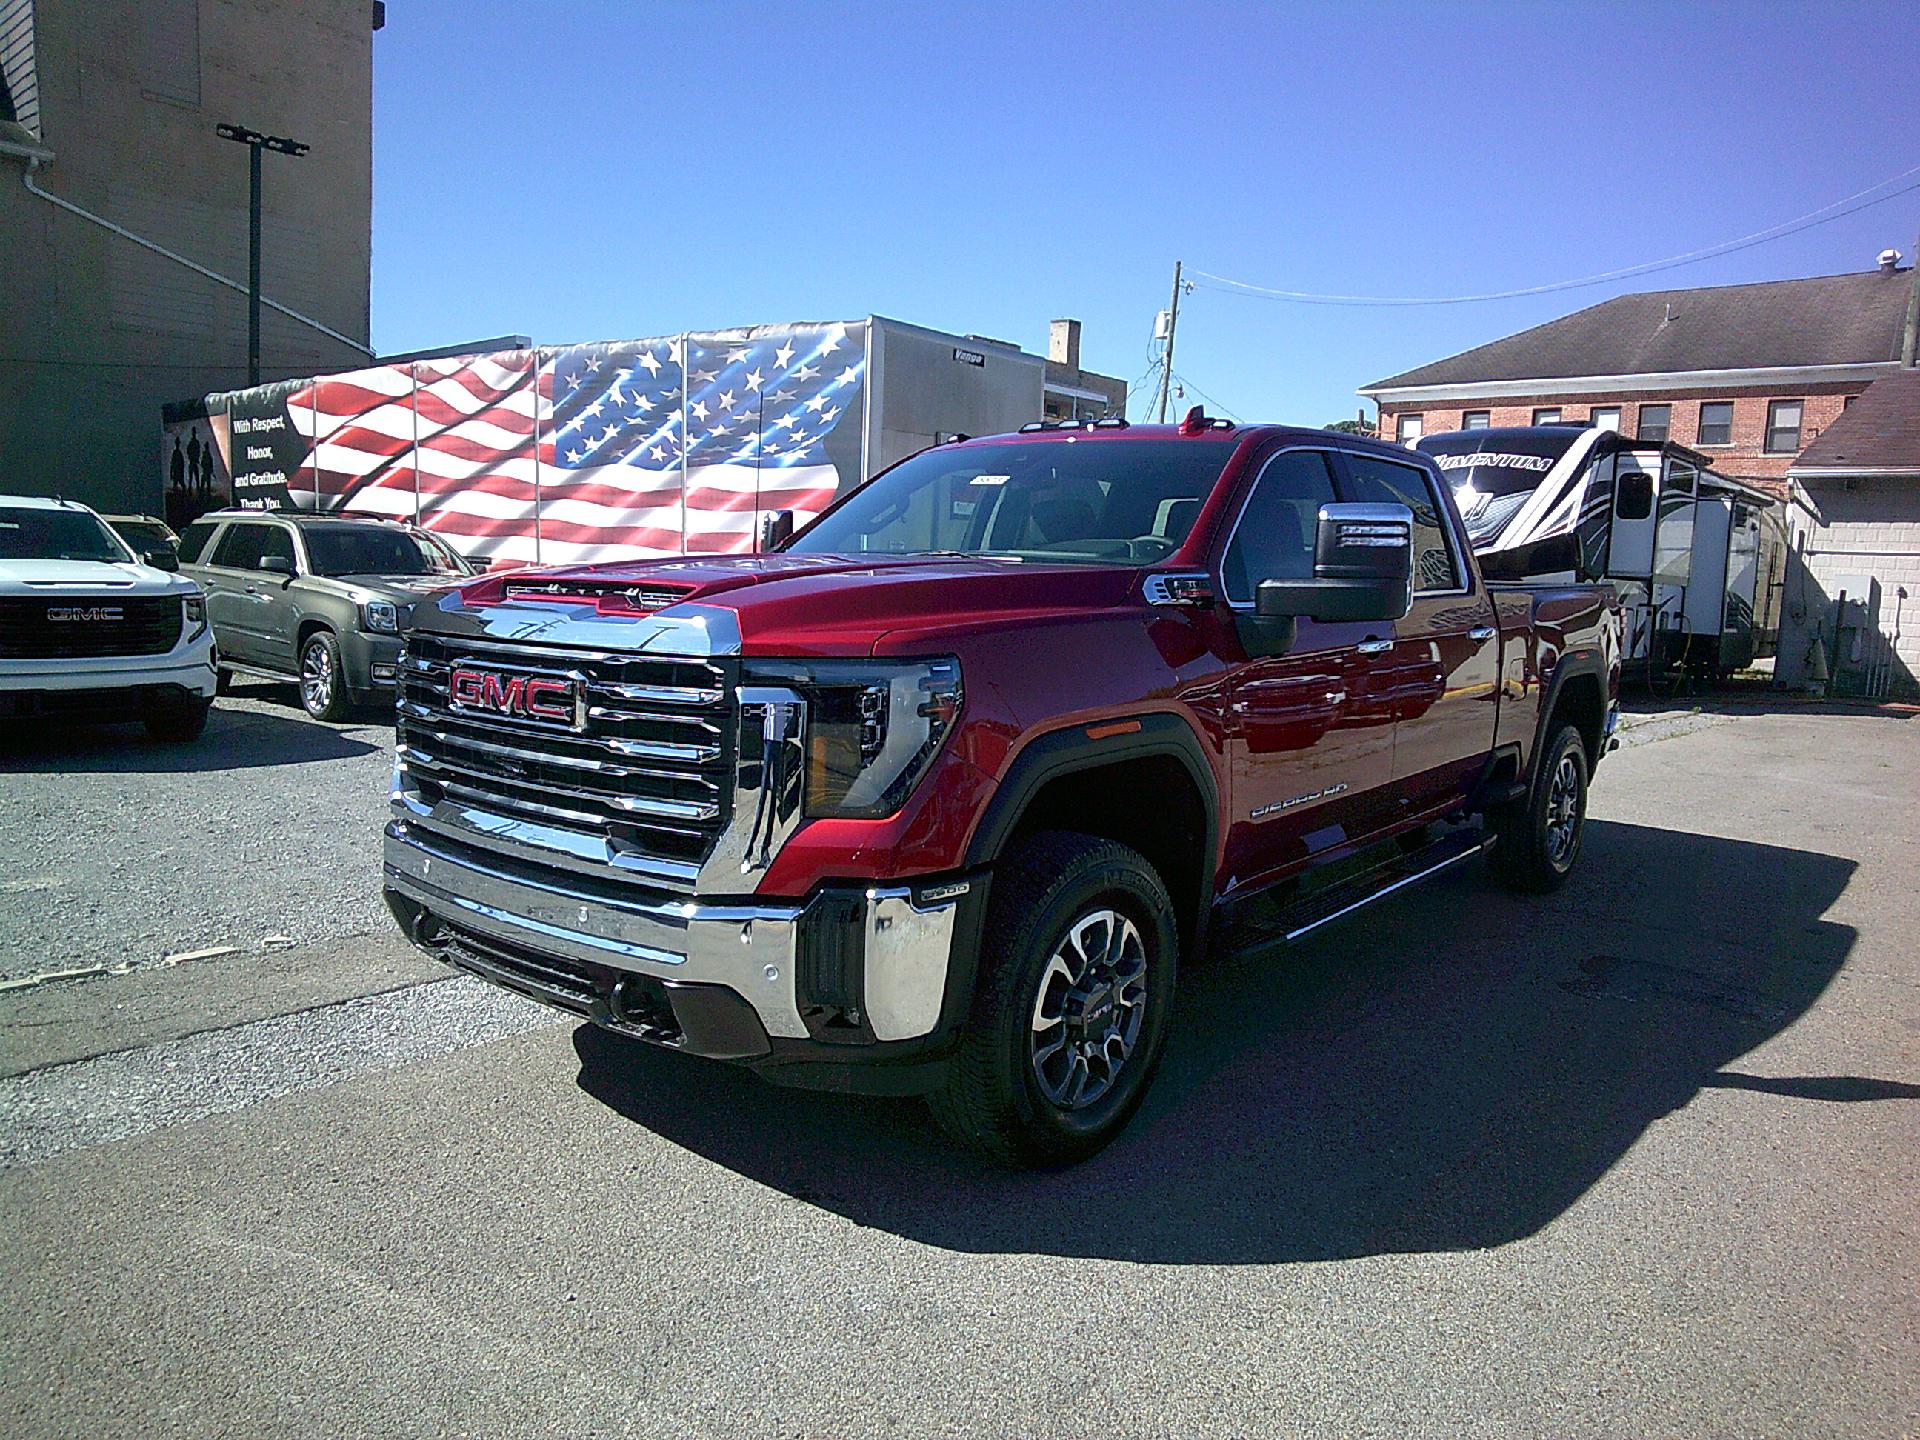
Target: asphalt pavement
(1638,1158)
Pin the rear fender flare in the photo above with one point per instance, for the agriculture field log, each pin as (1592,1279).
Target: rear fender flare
(1583,662)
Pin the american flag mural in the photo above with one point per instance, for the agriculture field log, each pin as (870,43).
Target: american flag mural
(591,452)
(686,443)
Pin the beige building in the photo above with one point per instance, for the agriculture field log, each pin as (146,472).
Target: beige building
(107,139)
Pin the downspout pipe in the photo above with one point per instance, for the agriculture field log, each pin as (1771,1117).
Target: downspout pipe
(33,163)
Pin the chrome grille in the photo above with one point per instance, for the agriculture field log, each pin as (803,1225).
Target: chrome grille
(649,772)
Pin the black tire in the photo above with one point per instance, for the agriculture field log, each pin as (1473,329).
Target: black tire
(179,723)
(1537,841)
(323,680)
(996,1096)
(222,678)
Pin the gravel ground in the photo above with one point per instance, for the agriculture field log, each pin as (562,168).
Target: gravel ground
(120,850)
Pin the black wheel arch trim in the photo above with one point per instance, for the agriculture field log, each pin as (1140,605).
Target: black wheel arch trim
(1072,750)
(1584,662)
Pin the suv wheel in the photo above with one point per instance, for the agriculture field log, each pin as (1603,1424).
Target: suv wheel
(1536,842)
(323,687)
(1080,956)
(179,722)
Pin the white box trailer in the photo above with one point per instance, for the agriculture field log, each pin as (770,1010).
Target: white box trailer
(1698,558)
(609,450)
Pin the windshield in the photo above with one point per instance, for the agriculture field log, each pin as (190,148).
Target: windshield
(57,535)
(1074,499)
(143,532)
(378,550)
(1492,472)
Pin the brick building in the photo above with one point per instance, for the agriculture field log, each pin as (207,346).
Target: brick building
(1072,393)
(107,116)
(1748,374)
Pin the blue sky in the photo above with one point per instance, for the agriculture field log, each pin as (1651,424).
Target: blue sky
(579,171)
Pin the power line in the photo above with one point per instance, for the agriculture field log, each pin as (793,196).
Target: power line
(1760,237)
(1208,398)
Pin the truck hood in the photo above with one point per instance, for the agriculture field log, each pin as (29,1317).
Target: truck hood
(58,577)
(827,604)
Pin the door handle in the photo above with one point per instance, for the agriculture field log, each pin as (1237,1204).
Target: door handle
(253,590)
(1374,647)
(1481,632)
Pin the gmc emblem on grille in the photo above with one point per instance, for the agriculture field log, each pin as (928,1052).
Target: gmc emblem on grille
(555,699)
(85,612)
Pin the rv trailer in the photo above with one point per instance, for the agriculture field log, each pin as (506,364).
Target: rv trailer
(1696,557)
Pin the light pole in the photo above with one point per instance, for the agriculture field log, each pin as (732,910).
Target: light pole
(255,143)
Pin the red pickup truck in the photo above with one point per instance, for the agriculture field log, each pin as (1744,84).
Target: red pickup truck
(939,794)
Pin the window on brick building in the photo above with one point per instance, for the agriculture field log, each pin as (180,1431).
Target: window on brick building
(1655,422)
(1547,415)
(1716,422)
(1783,426)
(1408,427)
(1476,420)
(1607,417)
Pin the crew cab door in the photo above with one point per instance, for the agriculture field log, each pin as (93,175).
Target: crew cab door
(1310,738)
(275,611)
(1441,671)
(232,611)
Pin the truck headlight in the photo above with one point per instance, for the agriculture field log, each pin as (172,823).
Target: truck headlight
(873,728)
(382,616)
(193,609)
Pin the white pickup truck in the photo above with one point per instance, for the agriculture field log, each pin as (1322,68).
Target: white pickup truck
(89,632)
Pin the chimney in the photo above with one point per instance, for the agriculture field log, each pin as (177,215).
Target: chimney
(1889,261)
(1063,344)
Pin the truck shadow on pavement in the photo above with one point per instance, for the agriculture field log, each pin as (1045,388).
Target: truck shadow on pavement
(233,740)
(1450,1071)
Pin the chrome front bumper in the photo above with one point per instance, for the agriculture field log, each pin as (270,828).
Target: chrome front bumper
(763,953)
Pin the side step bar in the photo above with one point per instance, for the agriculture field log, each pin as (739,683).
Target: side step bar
(258,672)
(1282,925)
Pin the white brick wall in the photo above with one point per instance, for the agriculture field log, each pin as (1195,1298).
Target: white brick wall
(1870,529)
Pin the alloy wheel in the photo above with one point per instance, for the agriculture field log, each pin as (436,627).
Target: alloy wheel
(1563,811)
(1091,1004)
(316,677)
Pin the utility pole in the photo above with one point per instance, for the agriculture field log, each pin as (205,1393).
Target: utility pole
(1907,335)
(1166,360)
(255,143)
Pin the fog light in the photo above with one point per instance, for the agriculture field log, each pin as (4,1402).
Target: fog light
(383,672)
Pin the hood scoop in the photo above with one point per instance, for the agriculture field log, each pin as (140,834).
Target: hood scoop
(605,594)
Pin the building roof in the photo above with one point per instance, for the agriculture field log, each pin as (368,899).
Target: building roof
(1879,433)
(1847,319)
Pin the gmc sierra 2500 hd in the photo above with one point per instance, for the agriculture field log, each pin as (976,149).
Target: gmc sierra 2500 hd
(938,795)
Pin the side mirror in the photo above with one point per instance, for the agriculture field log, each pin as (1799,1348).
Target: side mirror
(776,530)
(1362,568)
(160,557)
(277,565)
